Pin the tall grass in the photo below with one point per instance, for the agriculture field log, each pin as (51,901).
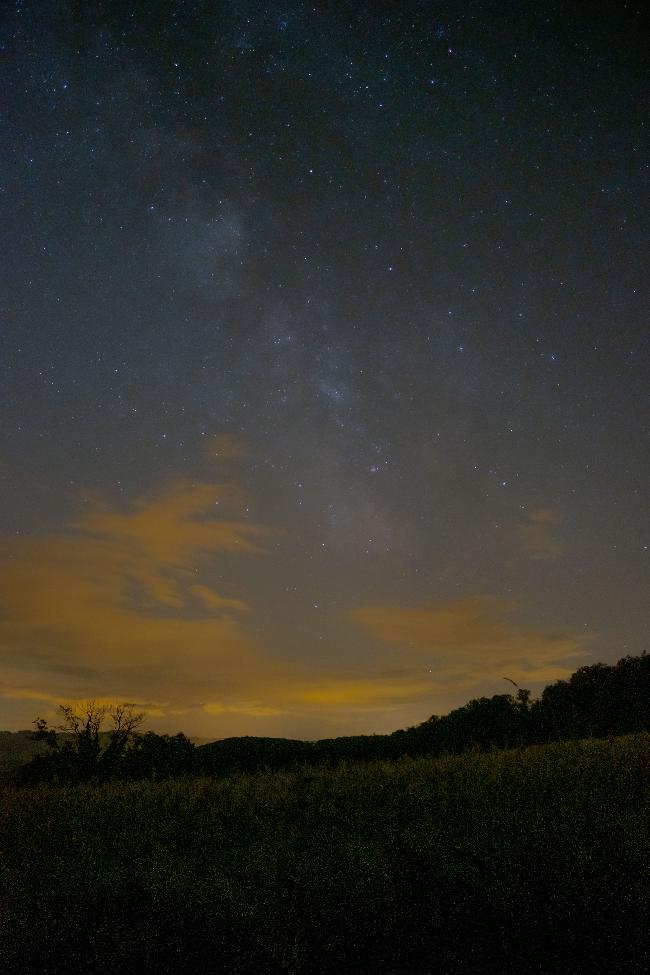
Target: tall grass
(532,860)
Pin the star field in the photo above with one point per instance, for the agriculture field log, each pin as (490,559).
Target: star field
(324,368)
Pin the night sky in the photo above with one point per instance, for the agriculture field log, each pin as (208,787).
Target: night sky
(323,368)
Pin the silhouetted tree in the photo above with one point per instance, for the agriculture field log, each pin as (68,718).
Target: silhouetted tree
(597,700)
(153,756)
(45,734)
(485,722)
(77,751)
(125,723)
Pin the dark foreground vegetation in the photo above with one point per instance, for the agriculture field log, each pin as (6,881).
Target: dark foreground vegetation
(511,835)
(523,860)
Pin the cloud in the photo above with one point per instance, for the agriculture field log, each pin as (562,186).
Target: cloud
(470,641)
(129,603)
(251,709)
(359,693)
(212,600)
(40,696)
(538,533)
(122,602)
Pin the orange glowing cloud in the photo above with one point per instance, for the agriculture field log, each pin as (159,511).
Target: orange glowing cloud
(470,641)
(121,603)
(129,603)
(359,693)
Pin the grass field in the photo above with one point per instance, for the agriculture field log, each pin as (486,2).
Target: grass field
(530,860)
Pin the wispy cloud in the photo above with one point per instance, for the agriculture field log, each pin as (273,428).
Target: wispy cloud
(470,641)
(130,603)
(123,604)
(125,599)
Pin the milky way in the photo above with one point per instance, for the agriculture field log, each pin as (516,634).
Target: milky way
(324,384)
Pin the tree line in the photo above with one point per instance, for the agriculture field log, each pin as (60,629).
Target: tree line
(597,701)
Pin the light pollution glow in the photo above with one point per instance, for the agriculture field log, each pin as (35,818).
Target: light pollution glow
(119,605)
